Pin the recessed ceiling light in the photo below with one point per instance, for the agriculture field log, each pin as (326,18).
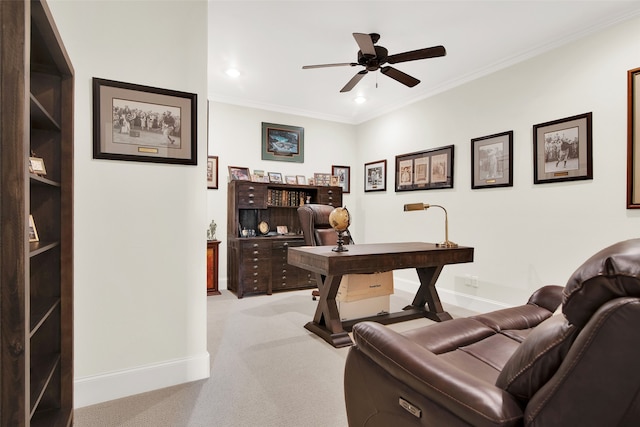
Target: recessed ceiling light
(360,99)
(232,72)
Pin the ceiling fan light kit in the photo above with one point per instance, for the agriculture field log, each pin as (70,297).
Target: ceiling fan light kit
(373,58)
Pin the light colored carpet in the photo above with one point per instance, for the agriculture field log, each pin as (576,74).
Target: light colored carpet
(266,370)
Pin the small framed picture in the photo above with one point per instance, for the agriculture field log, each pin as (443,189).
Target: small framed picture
(344,177)
(311,181)
(633,139)
(237,173)
(322,179)
(375,176)
(33,233)
(491,161)
(301,180)
(212,172)
(36,165)
(290,179)
(562,150)
(275,177)
(282,229)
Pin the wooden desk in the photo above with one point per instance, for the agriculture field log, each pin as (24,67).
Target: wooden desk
(426,258)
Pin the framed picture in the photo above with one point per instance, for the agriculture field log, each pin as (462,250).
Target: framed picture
(282,142)
(282,229)
(322,179)
(237,173)
(344,177)
(492,161)
(633,145)
(425,170)
(562,150)
(301,180)
(36,165)
(375,176)
(212,172)
(143,123)
(311,181)
(290,179)
(275,177)
(33,233)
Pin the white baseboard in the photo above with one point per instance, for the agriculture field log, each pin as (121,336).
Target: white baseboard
(468,302)
(114,385)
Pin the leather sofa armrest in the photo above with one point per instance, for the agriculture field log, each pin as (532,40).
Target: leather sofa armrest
(477,402)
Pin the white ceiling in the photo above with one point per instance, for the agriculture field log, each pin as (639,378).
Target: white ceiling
(270,41)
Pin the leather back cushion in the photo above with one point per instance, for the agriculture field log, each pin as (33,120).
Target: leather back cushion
(611,273)
(328,236)
(538,357)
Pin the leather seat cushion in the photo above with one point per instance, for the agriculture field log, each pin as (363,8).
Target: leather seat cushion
(536,360)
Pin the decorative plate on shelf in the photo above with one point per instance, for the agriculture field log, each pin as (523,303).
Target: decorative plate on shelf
(263,227)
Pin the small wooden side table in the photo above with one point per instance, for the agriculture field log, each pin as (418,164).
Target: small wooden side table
(212,267)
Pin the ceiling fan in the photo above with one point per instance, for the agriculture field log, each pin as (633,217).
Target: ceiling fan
(373,57)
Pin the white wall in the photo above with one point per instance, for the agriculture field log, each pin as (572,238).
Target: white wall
(140,259)
(527,235)
(235,135)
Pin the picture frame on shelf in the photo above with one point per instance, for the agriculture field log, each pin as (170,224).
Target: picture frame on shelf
(633,139)
(335,181)
(344,177)
(33,232)
(36,166)
(301,180)
(322,179)
(425,170)
(311,181)
(291,179)
(562,150)
(212,172)
(492,161)
(282,143)
(239,173)
(375,176)
(275,177)
(282,229)
(139,123)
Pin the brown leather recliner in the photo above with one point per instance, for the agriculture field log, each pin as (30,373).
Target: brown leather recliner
(520,366)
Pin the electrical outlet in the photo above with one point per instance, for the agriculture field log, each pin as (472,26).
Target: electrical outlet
(474,281)
(467,280)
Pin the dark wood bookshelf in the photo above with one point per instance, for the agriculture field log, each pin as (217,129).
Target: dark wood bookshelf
(36,289)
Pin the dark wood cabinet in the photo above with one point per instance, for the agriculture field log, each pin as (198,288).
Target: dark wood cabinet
(36,287)
(257,263)
(212,267)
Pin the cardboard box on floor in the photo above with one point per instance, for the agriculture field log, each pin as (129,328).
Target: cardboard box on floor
(362,295)
(355,287)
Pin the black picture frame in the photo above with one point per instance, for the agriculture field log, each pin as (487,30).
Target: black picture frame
(344,177)
(375,176)
(425,170)
(282,143)
(562,150)
(132,122)
(633,139)
(492,161)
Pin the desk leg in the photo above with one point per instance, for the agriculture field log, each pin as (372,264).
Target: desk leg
(326,322)
(428,295)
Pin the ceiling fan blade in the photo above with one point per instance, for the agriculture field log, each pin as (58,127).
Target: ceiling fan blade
(354,81)
(341,64)
(365,43)
(398,75)
(429,52)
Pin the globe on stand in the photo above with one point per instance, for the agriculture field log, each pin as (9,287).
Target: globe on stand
(339,219)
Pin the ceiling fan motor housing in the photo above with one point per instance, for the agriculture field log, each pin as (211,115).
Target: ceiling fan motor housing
(372,63)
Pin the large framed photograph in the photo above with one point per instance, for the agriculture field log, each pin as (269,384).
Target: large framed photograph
(212,172)
(562,150)
(425,170)
(375,176)
(282,142)
(143,124)
(344,177)
(633,145)
(492,161)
